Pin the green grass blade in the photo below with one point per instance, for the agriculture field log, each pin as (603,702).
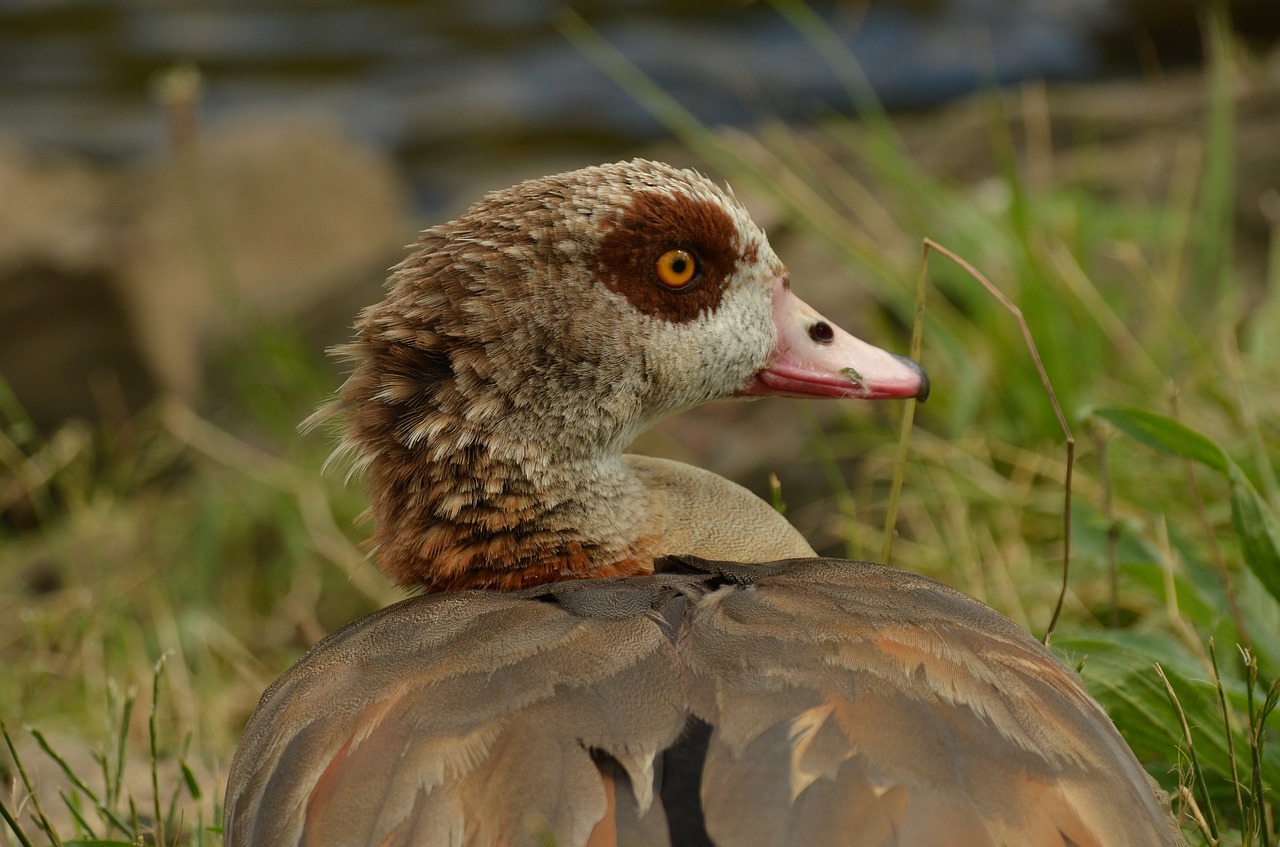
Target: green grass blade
(1227,729)
(42,821)
(103,810)
(1215,215)
(846,503)
(1196,770)
(1258,531)
(1255,523)
(70,802)
(1257,746)
(14,826)
(775,494)
(1167,435)
(66,769)
(116,781)
(155,751)
(848,71)
(908,415)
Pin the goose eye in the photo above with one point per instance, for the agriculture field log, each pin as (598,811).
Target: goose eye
(677,268)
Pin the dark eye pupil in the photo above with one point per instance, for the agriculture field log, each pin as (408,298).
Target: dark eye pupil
(678,266)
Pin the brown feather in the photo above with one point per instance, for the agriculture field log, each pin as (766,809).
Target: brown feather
(480,718)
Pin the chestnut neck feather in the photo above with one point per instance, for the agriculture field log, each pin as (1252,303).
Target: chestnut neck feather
(469,484)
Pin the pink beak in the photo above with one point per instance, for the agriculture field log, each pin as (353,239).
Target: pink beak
(815,358)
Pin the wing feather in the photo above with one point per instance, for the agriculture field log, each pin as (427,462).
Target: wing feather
(458,720)
(859,704)
(844,705)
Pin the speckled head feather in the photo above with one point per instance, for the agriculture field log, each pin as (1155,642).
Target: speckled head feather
(518,350)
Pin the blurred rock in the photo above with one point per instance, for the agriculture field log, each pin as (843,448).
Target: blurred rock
(66,347)
(272,216)
(112,285)
(55,212)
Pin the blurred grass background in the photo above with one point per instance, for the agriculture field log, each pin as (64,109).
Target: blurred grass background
(210,537)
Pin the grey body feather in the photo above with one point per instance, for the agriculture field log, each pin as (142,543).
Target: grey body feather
(899,713)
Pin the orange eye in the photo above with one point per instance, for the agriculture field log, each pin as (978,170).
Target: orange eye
(677,268)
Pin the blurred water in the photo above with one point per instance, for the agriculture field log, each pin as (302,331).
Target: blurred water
(451,86)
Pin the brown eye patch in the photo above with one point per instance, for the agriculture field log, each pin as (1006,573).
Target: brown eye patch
(655,224)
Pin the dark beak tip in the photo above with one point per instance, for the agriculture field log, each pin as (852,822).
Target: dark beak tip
(923,394)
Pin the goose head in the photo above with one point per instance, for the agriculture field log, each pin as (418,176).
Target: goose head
(521,347)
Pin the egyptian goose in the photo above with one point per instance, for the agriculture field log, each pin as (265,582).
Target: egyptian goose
(592,663)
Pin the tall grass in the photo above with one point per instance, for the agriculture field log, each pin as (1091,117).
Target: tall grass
(227,553)
(210,538)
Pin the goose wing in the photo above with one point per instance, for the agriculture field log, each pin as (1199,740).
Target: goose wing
(810,702)
(475,718)
(857,704)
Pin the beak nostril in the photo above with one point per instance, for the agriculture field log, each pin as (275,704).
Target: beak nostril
(822,333)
